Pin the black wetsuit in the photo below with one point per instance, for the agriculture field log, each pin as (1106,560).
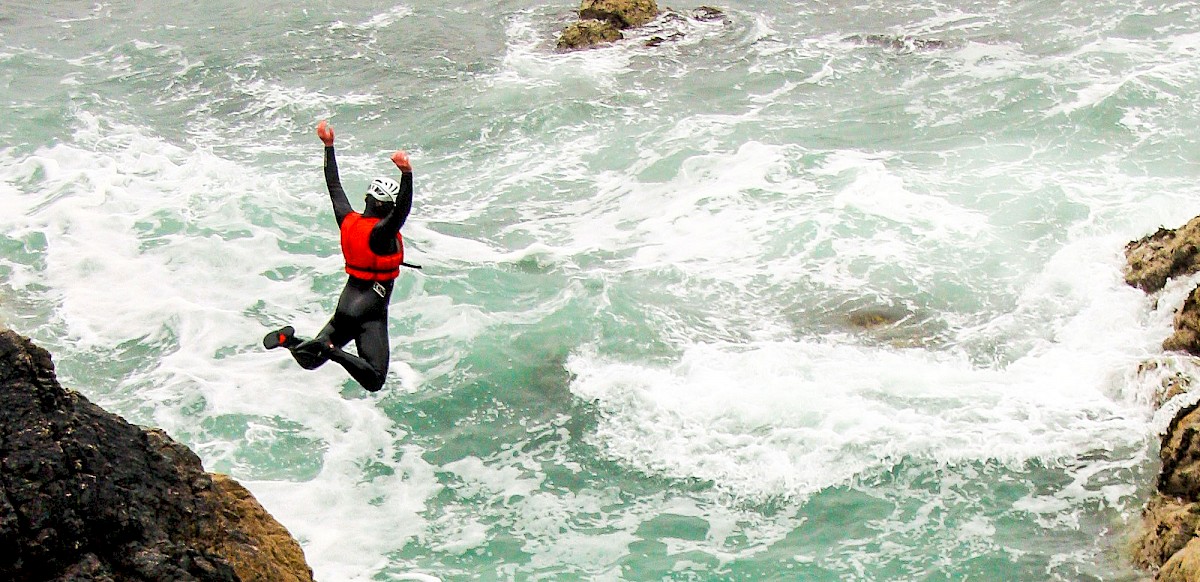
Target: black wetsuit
(362,309)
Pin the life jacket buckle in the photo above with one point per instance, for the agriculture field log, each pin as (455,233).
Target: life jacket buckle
(379,289)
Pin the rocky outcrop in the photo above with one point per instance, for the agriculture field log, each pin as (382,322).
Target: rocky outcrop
(604,21)
(588,33)
(601,21)
(1153,259)
(1162,255)
(622,13)
(1186,337)
(1168,542)
(84,495)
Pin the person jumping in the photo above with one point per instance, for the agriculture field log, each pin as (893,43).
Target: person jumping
(374,252)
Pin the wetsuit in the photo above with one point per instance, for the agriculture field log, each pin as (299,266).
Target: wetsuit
(362,309)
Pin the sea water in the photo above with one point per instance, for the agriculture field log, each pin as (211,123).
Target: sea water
(819,290)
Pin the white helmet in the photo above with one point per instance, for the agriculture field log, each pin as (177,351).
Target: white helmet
(384,189)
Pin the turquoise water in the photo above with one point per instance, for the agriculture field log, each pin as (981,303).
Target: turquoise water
(631,354)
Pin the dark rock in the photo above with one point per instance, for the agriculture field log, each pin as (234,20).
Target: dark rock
(84,495)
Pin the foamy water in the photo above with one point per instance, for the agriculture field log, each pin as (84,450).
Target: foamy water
(631,353)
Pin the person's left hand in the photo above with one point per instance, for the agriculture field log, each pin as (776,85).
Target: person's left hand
(325,132)
(400,158)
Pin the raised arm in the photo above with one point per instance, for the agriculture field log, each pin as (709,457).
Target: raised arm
(337,195)
(383,236)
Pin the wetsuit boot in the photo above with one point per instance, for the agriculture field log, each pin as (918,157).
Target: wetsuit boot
(284,336)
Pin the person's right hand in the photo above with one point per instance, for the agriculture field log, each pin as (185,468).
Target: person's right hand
(325,132)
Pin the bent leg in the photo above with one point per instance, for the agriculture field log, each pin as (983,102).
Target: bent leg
(370,367)
(308,353)
(312,354)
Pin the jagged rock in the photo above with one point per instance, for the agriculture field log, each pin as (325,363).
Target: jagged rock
(84,495)
(1186,337)
(1167,253)
(1180,454)
(601,21)
(1184,565)
(1168,525)
(263,549)
(588,33)
(622,13)
(1168,539)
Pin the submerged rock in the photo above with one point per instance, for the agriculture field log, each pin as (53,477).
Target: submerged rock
(709,14)
(900,43)
(1172,377)
(84,495)
(874,318)
(672,25)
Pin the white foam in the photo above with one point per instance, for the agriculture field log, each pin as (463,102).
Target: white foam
(876,190)
(1156,69)
(527,63)
(386,19)
(789,418)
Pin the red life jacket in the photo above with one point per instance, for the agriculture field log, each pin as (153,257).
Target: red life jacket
(361,262)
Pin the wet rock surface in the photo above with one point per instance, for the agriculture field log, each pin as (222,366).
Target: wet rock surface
(1167,542)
